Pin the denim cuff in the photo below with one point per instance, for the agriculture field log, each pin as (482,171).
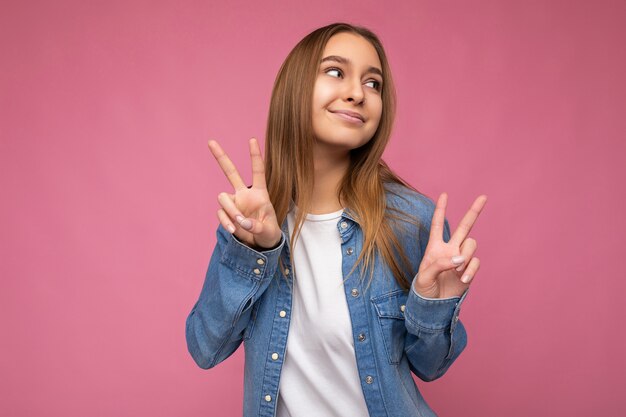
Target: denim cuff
(433,313)
(248,262)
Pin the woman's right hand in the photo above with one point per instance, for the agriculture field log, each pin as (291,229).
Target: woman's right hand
(248,213)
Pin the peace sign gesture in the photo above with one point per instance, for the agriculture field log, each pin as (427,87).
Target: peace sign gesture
(248,212)
(447,268)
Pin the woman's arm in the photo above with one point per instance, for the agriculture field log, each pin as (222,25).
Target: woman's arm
(435,335)
(236,278)
(238,274)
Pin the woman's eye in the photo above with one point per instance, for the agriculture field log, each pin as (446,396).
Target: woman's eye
(376,84)
(330,70)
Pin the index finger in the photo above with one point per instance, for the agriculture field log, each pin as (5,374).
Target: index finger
(468,220)
(226,164)
(439,216)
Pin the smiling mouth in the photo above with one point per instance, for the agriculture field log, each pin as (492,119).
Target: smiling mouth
(351,119)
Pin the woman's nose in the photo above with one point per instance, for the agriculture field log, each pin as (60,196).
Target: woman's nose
(355,92)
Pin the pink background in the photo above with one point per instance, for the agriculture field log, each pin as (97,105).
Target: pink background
(109,191)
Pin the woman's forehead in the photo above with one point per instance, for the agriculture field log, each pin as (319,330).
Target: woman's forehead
(354,48)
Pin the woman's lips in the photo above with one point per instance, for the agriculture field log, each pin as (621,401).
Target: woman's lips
(347,118)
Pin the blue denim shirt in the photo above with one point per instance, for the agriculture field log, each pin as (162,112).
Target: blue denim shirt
(245,298)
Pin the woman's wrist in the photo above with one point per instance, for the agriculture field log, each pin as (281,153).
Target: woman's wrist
(259,248)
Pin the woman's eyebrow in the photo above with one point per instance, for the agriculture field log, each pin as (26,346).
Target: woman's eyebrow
(346,61)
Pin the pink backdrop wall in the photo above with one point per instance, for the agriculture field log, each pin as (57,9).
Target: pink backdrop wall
(108,209)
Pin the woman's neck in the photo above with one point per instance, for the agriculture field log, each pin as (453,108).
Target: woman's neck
(329,171)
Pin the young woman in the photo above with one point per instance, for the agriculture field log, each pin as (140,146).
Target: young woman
(339,278)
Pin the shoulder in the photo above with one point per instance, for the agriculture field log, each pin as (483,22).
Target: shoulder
(411,202)
(409,214)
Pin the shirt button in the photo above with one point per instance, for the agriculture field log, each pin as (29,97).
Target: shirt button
(282,313)
(268,398)
(361,337)
(369,379)
(402,308)
(257,271)
(344,225)
(260,261)
(274,356)
(286,271)
(349,251)
(354,292)
(456,318)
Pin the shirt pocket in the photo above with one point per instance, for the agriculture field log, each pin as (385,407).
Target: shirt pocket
(390,311)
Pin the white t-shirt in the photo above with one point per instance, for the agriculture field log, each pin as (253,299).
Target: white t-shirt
(319,376)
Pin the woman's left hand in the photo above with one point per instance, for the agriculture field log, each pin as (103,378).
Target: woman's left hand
(447,269)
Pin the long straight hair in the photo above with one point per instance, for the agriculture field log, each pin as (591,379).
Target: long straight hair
(289,145)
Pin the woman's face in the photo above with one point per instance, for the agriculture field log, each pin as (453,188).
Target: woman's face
(349,80)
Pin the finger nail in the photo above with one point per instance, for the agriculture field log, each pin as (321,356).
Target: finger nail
(459,268)
(466,279)
(231,228)
(458,259)
(245,223)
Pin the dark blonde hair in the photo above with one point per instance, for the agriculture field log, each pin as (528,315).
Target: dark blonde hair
(289,153)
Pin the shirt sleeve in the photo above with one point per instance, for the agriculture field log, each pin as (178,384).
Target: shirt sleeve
(236,278)
(436,336)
